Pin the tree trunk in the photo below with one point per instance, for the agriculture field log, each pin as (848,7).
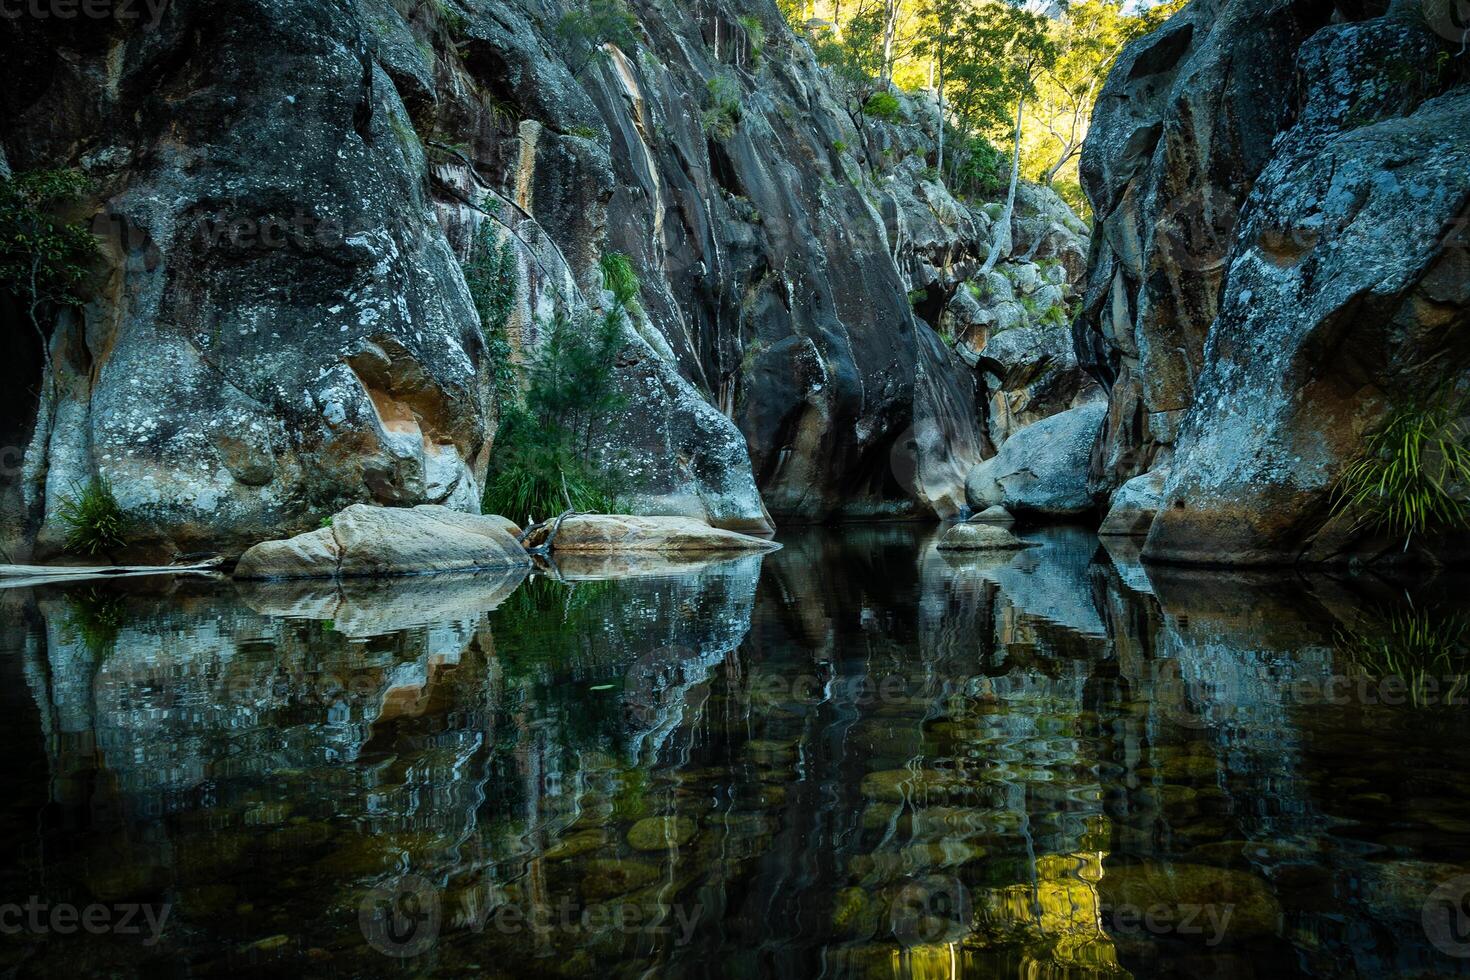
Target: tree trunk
(1001,240)
(939,90)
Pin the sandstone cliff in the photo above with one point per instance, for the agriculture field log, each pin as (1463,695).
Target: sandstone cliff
(286,193)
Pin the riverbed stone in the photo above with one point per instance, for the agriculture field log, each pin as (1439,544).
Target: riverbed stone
(1253,910)
(608,877)
(661,833)
(382,541)
(980,537)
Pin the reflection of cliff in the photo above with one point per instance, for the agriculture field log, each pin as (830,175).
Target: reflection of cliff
(341,732)
(854,754)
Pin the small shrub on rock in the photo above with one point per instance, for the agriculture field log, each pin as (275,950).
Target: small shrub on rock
(94,521)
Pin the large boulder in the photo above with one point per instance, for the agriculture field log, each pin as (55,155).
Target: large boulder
(1042,469)
(364,541)
(1133,507)
(1348,299)
(624,533)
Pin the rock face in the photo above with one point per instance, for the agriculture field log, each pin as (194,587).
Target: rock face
(286,193)
(1279,263)
(372,542)
(1042,470)
(621,533)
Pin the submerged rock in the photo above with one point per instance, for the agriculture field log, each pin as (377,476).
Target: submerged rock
(661,833)
(1042,469)
(381,541)
(618,533)
(608,877)
(979,537)
(1244,905)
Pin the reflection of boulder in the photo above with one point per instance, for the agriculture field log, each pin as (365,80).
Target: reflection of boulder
(585,567)
(368,607)
(622,533)
(1125,553)
(1052,581)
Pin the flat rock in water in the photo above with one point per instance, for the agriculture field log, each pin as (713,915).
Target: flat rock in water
(993,515)
(618,533)
(365,541)
(980,537)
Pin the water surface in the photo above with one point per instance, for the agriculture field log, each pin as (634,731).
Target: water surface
(854,757)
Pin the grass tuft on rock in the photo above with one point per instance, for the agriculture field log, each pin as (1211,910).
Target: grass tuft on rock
(1414,474)
(545,459)
(94,522)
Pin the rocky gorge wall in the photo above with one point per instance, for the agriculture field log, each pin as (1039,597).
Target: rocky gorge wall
(286,192)
(1279,263)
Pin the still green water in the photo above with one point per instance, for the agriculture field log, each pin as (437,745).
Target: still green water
(854,757)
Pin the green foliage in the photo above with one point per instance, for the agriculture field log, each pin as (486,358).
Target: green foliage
(584,31)
(755,35)
(1414,474)
(883,106)
(917,296)
(326,522)
(490,275)
(722,107)
(538,472)
(43,260)
(619,278)
(94,521)
(839,147)
(980,170)
(544,460)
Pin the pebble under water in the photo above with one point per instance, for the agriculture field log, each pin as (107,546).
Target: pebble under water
(854,757)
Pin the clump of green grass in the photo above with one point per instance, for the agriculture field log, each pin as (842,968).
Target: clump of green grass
(544,459)
(724,108)
(94,522)
(619,278)
(1414,473)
